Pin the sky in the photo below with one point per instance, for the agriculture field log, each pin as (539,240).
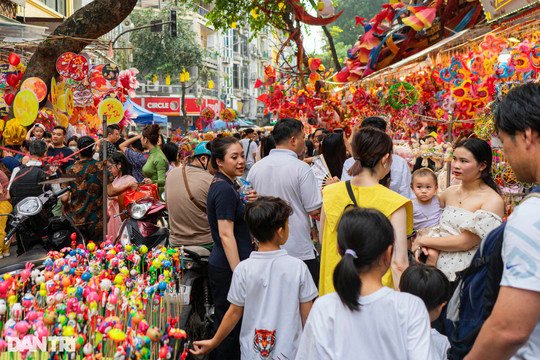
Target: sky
(313,39)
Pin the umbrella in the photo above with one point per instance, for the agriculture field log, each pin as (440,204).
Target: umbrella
(220,125)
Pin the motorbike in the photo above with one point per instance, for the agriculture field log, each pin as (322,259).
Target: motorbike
(145,224)
(38,231)
(191,297)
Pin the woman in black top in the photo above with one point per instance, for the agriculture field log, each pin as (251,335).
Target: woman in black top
(232,240)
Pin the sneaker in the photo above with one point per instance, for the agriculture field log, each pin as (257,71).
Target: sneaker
(6,254)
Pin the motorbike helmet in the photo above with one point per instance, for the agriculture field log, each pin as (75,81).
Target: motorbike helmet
(201,149)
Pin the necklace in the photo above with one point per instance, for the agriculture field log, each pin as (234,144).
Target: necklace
(461,200)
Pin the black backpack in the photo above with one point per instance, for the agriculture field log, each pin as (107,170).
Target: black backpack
(476,293)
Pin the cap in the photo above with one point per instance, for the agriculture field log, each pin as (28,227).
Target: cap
(201,149)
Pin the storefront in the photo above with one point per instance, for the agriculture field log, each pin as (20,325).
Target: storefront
(171,106)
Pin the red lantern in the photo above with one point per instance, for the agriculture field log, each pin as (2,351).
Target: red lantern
(9,98)
(14,59)
(12,80)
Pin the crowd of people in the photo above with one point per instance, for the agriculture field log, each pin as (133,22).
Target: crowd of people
(368,258)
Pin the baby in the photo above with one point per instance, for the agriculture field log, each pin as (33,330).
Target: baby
(426,206)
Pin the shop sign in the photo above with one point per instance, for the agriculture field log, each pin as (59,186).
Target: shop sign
(495,9)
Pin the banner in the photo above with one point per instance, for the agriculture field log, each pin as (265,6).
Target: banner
(495,9)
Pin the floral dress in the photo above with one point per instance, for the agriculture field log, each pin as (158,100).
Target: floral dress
(454,221)
(86,205)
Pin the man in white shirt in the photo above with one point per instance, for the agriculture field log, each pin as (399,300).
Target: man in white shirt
(282,174)
(250,150)
(400,173)
(512,331)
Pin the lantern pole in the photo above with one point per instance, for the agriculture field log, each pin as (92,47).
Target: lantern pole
(105,177)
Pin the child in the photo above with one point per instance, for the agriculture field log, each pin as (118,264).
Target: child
(433,287)
(427,209)
(365,320)
(35,133)
(272,290)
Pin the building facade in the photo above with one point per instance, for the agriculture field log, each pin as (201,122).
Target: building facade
(235,63)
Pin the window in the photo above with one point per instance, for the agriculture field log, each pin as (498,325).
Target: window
(244,44)
(235,41)
(236,76)
(56,5)
(245,83)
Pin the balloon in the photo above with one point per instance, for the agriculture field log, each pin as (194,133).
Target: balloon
(12,80)
(61,103)
(69,102)
(9,98)
(113,109)
(25,107)
(14,59)
(37,86)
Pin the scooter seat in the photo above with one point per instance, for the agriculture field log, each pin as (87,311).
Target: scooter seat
(199,250)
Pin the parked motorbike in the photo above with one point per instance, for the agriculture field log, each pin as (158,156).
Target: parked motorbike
(190,297)
(145,224)
(38,231)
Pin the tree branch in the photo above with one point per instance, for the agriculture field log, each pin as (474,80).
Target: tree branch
(332,48)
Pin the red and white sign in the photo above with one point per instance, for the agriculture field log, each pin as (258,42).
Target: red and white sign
(172,105)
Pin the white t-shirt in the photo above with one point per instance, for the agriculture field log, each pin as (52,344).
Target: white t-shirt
(400,175)
(283,175)
(439,345)
(521,257)
(270,286)
(389,326)
(251,152)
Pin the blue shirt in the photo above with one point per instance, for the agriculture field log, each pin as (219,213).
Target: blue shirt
(224,203)
(10,162)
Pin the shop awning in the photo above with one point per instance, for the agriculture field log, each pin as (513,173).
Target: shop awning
(12,31)
(143,116)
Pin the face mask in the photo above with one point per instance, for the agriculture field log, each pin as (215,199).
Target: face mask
(74,148)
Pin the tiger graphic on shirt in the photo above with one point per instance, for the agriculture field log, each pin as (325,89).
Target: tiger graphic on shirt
(263,342)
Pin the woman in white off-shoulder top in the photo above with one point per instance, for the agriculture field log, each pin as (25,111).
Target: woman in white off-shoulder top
(471,210)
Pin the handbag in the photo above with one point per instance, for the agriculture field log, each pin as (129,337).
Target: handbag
(150,190)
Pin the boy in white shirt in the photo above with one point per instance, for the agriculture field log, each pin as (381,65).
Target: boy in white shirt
(271,290)
(432,286)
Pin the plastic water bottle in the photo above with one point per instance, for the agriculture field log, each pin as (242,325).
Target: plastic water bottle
(245,188)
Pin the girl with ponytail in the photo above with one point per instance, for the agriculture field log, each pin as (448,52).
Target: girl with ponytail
(471,210)
(364,319)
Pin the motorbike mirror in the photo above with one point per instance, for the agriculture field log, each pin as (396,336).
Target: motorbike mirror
(6,214)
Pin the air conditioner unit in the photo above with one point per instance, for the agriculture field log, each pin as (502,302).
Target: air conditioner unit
(228,103)
(152,86)
(167,89)
(225,59)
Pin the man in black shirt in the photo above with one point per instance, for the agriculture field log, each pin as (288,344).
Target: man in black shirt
(60,149)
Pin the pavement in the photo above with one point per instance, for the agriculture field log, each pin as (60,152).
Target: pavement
(11,259)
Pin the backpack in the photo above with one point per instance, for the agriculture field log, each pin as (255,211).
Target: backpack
(476,293)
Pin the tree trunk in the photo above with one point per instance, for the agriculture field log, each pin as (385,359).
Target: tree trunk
(332,48)
(90,22)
